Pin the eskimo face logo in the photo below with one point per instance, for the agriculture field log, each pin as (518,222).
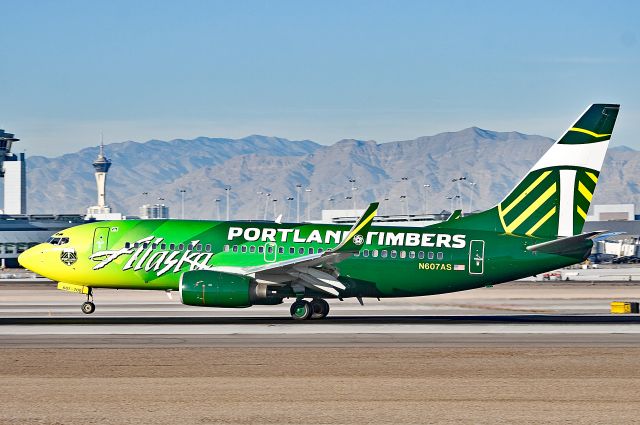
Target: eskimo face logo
(358,240)
(68,256)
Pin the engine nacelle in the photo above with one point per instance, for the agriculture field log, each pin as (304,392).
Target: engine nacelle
(208,288)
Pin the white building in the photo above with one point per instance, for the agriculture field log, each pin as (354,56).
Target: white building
(154,211)
(611,212)
(15,184)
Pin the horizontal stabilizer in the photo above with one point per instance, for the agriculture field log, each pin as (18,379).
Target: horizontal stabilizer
(564,245)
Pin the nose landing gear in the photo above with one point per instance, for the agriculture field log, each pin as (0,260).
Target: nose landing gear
(88,306)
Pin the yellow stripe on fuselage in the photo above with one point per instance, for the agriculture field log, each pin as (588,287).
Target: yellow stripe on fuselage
(540,222)
(590,133)
(531,209)
(585,192)
(526,192)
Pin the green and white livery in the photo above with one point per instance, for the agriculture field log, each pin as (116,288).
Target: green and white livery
(536,228)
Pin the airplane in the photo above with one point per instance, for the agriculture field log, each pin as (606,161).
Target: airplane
(536,228)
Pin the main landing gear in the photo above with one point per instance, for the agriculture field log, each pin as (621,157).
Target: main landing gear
(314,309)
(88,306)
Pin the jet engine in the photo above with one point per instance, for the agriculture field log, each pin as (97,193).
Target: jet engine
(208,288)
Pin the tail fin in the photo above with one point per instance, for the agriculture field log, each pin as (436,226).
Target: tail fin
(554,197)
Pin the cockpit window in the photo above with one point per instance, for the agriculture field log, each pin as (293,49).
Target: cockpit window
(56,240)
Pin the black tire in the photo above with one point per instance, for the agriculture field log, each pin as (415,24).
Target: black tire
(300,310)
(88,307)
(319,308)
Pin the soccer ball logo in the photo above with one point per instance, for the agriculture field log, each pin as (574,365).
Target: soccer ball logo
(358,239)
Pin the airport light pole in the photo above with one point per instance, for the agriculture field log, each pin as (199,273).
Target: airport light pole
(308,190)
(298,196)
(403,199)
(182,192)
(266,205)
(348,198)
(260,193)
(217,201)
(228,190)
(353,191)
(472,184)
(405,183)
(450,198)
(289,199)
(275,208)
(457,182)
(426,190)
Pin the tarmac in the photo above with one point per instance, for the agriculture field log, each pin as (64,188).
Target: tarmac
(517,353)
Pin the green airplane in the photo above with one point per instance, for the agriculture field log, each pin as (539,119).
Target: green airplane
(536,228)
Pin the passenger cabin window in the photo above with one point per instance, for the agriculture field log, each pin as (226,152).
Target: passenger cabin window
(301,251)
(374,253)
(440,255)
(270,249)
(252,249)
(421,255)
(163,246)
(383,254)
(310,250)
(225,249)
(199,247)
(320,250)
(431,256)
(172,247)
(136,245)
(235,248)
(280,250)
(181,247)
(403,254)
(394,254)
(244,249)
(292,250)
(207,247)
(365,252)
(260,249)
(127,245)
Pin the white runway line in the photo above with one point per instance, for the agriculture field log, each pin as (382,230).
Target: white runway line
(315,329)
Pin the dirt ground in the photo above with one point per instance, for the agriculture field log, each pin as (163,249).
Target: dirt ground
(361,385)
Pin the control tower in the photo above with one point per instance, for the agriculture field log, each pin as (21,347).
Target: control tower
(14,171)
(101,165)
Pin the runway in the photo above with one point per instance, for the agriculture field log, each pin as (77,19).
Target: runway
(524,313)
(517,353)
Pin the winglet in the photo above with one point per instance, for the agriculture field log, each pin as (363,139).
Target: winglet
(455,215)
(357,235)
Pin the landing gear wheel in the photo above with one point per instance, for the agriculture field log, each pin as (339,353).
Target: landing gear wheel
(300,310)
(319,308)
(88,307)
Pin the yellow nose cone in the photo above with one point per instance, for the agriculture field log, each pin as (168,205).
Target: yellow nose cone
(30,258)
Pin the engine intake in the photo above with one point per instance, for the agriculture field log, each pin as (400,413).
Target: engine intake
(208,288)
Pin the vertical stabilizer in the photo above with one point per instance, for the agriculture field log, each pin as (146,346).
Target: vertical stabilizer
(554,197)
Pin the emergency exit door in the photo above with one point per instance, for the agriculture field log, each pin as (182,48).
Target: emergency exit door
(476,257)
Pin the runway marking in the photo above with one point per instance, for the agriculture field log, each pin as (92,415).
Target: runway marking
(318,329)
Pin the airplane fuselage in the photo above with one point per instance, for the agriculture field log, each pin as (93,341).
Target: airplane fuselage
(392,262)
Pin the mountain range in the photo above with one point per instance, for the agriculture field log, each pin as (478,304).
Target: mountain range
(265,172)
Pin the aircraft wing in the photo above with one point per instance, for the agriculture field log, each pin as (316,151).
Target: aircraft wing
(317,271)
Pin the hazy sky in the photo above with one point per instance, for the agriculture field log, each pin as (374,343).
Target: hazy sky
(324,70)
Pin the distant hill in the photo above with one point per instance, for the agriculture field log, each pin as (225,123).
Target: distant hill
(256,165)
